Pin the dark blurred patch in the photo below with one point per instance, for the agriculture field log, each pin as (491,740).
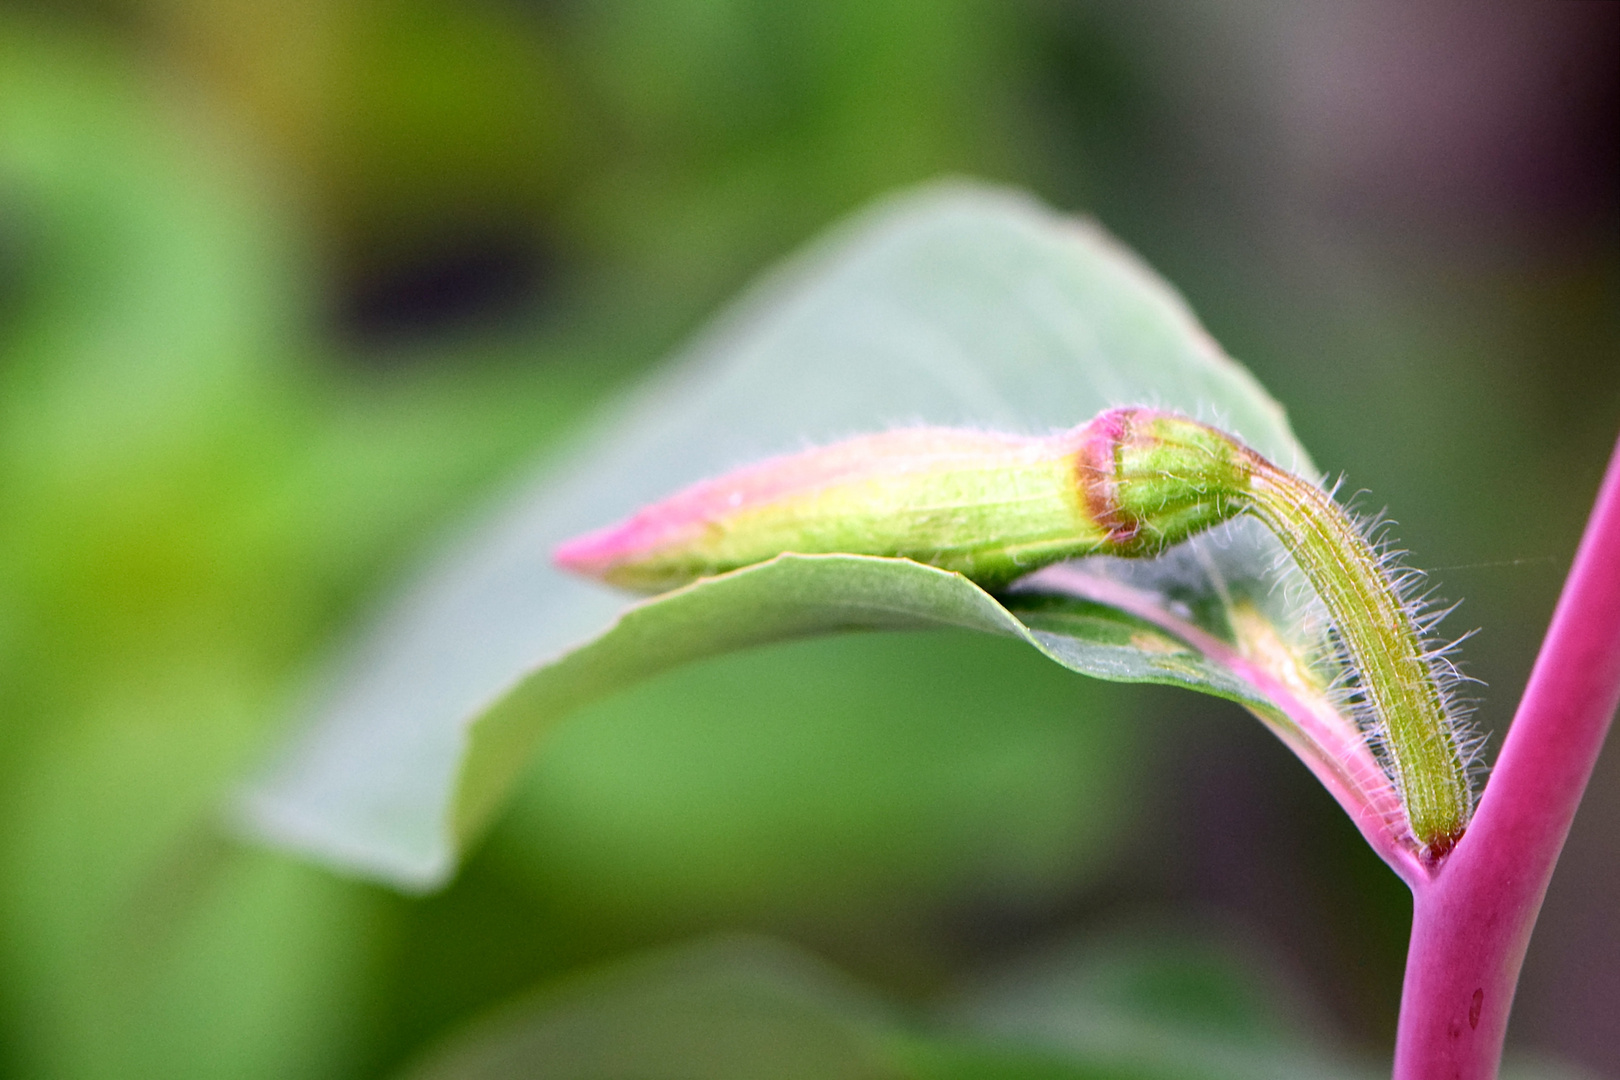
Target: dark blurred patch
(453,955)
(16,255)
(1468,120)
(465,279)
(1094,91)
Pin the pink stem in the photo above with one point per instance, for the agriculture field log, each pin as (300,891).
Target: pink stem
(1472,919)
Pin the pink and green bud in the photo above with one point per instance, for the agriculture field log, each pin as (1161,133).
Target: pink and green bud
(991,507)
(1131,482)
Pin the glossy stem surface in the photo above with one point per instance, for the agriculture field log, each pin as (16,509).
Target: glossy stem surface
(1472,918)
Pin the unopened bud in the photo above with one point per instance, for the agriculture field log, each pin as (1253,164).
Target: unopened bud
(991,507)
(1131,482)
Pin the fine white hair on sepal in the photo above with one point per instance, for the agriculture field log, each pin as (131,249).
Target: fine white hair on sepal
(1420,606)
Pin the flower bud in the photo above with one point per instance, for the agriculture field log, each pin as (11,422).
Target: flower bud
(991,507)
(1131,482)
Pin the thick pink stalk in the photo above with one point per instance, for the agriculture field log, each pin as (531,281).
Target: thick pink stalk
(1472,918)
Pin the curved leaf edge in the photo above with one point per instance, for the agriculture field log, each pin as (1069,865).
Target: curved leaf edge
(799,596)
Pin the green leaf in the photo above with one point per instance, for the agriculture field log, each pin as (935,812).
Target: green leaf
(1154,1000)
(795,596)
(750,1008)
(955,305)
(733,1009)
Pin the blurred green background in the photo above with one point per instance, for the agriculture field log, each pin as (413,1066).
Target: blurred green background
(286,290)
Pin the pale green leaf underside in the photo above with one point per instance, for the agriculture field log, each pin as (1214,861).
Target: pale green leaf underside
(956,305)
(794,596)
